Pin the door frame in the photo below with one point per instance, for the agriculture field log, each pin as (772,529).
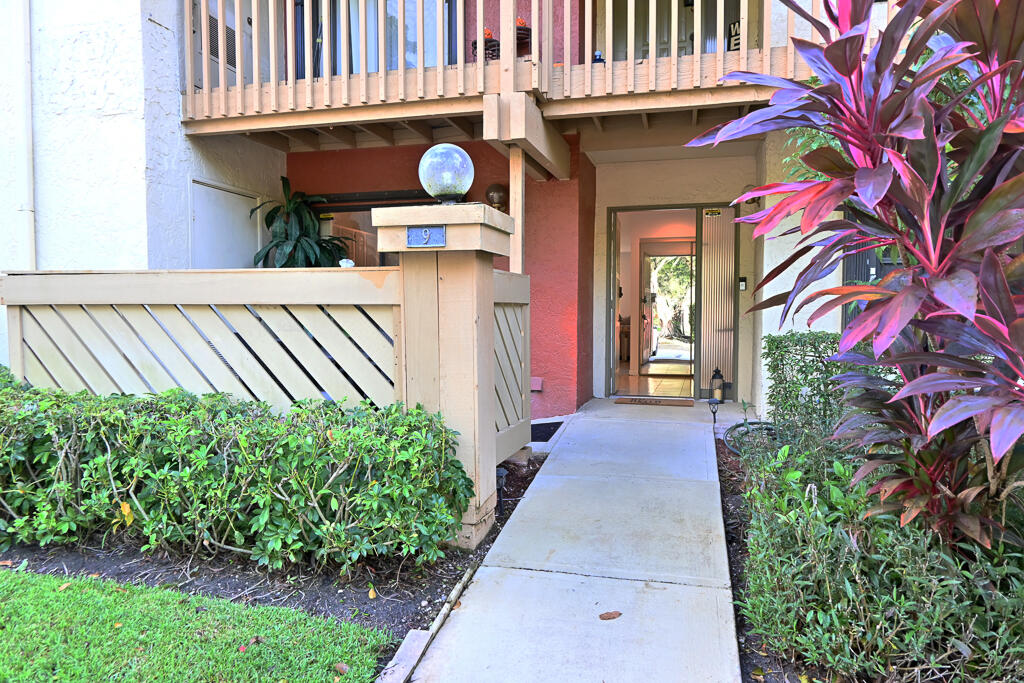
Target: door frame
(611,300)
(645,250)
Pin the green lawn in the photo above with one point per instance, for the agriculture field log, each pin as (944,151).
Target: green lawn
(92,630)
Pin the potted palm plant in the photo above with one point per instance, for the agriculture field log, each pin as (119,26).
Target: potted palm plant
(295,239)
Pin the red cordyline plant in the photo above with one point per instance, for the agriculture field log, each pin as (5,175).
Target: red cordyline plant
(933,171)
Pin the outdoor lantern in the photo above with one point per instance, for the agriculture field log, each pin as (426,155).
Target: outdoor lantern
(717,385)
(446,172)
(713,407)
(497,197)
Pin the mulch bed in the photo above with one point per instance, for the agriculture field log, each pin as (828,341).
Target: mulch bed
(407,596)
(757,661)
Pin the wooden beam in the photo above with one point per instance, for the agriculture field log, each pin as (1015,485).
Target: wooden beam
(517,207)
(679,100)
(341,134)
(380,131)
(316,118)
(597,123)
(644,120)
(307,137)
(274,140)
(420,128)
(696,113)
(533,170)
(539,138)
(465,126)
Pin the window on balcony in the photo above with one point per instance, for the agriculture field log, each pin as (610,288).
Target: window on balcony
(663,32)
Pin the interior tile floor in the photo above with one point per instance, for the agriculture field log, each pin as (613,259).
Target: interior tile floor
(663,386)
(667,367)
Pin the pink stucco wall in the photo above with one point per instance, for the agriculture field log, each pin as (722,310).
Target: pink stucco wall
(559,249)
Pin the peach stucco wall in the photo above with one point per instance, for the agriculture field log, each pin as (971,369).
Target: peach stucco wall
(559,249)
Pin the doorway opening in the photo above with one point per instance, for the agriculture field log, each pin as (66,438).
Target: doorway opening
(672,300)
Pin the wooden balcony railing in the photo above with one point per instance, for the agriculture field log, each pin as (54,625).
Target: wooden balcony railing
(246,57)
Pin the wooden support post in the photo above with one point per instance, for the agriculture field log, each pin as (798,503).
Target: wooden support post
(16,344)
(517,207)
(447,329)
(507,35)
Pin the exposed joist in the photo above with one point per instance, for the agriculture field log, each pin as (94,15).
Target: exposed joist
(467,106)
(598,123)
(644,120)
(696,113)
(306,137)
(273,140)
(340,133)
(421,129)
(677,100)
(384,133)
(463,125)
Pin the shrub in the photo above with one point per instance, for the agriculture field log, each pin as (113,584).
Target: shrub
(801,392)
(864,597)
(925,127)
(211,474)
(7,378)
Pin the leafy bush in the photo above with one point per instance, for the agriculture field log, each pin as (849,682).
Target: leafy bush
(922,130)
(865,597)
(210,474)
(801,392)
(7,378)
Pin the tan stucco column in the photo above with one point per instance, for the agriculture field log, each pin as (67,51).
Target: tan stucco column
(446,253)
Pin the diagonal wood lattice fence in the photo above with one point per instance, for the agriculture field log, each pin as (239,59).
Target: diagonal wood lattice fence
(249,333)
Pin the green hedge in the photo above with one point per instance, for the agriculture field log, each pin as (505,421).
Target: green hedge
(211,474)
(800,393)
(865,598)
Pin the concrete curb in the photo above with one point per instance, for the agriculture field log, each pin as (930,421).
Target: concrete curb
(416,641)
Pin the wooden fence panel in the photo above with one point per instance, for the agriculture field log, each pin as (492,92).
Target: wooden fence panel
(76,332)
(511,362)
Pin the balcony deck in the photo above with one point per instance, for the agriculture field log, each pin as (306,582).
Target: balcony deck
(418,103)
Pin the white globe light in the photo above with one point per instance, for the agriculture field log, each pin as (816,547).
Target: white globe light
(446,172)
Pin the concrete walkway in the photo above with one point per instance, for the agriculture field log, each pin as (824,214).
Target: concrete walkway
(624,516)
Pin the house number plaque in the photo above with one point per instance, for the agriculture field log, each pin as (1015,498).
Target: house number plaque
(424,236)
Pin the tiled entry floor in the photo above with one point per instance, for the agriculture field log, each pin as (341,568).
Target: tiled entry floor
(612,523)
(668,386)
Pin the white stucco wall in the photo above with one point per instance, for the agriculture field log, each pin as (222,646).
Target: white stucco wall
(112,165)
(774,251)
(172,158)
(89,135)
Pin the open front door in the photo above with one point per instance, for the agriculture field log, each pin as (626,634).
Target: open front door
(646,311)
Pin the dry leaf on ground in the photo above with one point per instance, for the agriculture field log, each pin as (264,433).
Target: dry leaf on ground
(341,667)
(608,616)
(63,586)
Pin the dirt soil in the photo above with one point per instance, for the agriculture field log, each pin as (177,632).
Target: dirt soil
(407,596)
(757,661)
